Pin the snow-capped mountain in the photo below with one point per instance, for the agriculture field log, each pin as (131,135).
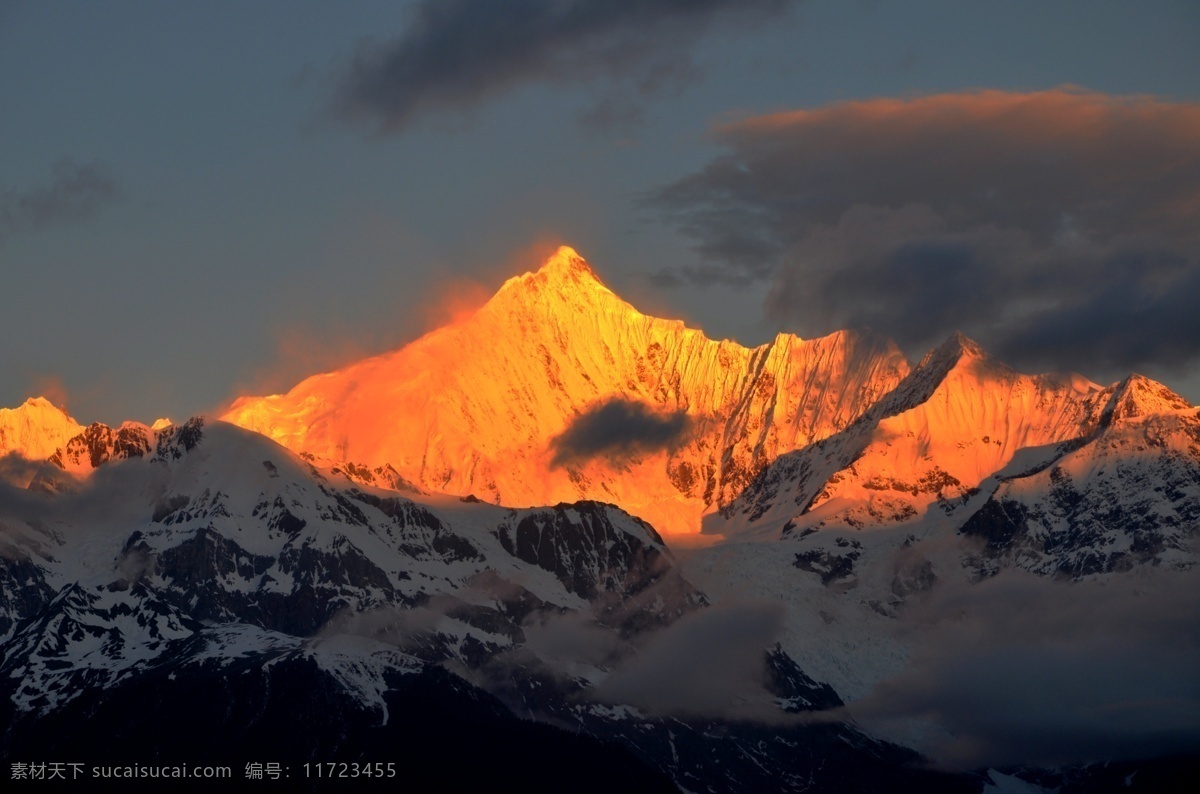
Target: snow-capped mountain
(1083,478)
(958,418)
(475,407)
(36,429)
(212,553)
(1127,495)
(455,549)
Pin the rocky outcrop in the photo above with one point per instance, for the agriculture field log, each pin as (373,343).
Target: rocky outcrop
(99,443)
(586,550)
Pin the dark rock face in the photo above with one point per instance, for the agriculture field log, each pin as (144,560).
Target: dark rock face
(297,591)
(999,524)
(795,690)
(380,476)
(79,638)
(419,533)
(100,443)
(23,589)
(832,565)
(168,505)
(194,570)
(602,554)
(206,558)
(580,545)
(176,441)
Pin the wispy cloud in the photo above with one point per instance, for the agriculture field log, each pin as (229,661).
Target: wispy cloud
(75,194)
(454,54)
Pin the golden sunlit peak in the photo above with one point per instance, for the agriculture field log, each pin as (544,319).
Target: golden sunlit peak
(965,345)
(958,346)
(566,261)
(39,404)
(563,276)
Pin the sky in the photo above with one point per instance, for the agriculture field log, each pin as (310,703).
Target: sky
(204,200)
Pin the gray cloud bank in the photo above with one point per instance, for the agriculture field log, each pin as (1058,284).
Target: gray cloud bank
(710,663)
(617,430)
(1058,227)
(1023,670)
(456,53)
(75,194)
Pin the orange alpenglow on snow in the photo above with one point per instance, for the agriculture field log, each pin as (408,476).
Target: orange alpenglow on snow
(36,429)
(958,422)
(558,390)
(961,418)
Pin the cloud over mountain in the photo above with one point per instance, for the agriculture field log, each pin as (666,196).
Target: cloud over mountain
(617,429)
(1019,667)
(710,662)
(1056,226)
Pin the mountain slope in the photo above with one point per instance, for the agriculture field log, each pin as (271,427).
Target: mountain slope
(476,407)
(222,539)
(957,419)
(1129,496)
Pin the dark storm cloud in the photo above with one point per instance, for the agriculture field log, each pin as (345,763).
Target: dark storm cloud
(618,429)
(1023,670)
(1023,219)
(1127,322)
(456,53)
(75,194)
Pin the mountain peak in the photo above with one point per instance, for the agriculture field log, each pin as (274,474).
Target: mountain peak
(959,345)
(483,406)
(564,277)
(35,429)
(1138,396)
(959,353)
(959,348)
(566,263)
(39,404)
(568,272)
(37,410)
